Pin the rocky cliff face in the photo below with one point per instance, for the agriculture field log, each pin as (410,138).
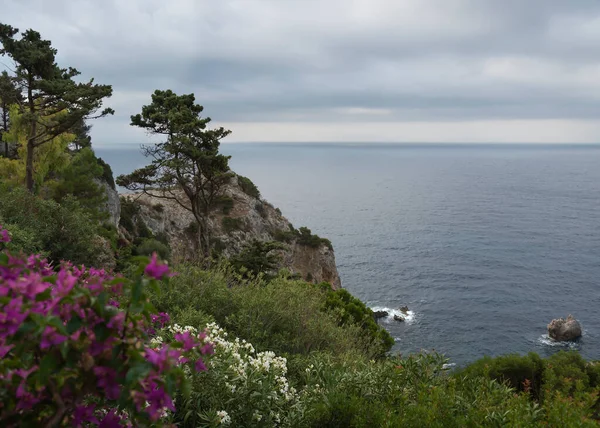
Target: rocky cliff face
(113,203)
(240,219)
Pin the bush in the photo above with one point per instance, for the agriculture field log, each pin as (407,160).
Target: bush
(521,372)
(248,187)
(242,387)
(351,310)
(231,224)
(70,356)
(257,258)
(226,204)
(149,246)
(63,231)
(305,237)
(282,315)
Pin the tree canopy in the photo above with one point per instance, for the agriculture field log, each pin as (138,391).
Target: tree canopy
(53,101)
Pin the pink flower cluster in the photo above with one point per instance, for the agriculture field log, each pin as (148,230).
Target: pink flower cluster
(69,353)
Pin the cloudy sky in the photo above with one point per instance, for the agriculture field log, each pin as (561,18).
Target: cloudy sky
(340,70)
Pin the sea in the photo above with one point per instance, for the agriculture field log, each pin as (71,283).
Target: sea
(485,243)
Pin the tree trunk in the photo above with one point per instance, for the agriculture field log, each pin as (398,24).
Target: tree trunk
(4,127)
(30,137)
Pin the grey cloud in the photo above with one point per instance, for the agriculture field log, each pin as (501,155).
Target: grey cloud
(319,61)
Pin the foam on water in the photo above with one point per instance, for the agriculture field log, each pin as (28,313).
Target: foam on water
(546,340)
(409,316)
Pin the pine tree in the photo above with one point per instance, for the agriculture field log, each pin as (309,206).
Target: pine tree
(187,167)
(47,91)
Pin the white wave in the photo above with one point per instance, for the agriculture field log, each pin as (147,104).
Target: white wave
(544,339)
(409,316)
(448,366)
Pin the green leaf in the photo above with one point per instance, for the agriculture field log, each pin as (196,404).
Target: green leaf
(48,364)
(74,324)
(57,324)
(136,291)
(102,332)
(3,259)
(136,372)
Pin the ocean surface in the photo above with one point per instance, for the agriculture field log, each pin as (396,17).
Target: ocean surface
(484,243)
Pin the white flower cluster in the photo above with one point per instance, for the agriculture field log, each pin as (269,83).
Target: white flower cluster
(176,328)
(245,365)
(223,417)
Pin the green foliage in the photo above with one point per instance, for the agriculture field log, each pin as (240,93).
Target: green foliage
(150,245)
(302,236)
(65,101)
(248,187)
(257,258)
(63,231)
(520,372)
(305,237)
(80,180)
(353,311)
(129,210)
(231,224)
(226,204)
(280,315)
(24,240)
(107,174)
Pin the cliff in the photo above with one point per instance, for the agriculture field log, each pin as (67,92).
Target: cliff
(241,217)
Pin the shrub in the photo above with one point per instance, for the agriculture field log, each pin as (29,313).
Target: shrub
(231,224)
(248,187)
(159,208)
(70,355)
(62,230)
(257,258)
(242,387)
(521,372)
(305,237)
(149,246)
(226,204)
(351,310)
(282,315)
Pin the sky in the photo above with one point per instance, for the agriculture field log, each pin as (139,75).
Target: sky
(339,70)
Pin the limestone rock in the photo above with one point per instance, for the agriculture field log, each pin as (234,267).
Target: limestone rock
(113,202)
(564,329)
(248,218)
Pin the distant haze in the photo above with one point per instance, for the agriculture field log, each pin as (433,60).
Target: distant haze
(362,70)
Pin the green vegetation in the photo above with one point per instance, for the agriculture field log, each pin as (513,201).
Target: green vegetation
(248,186)
(302,236)
(231,224)
(258,258)
(62,231)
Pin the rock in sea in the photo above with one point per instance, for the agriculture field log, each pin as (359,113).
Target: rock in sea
(380,314)
(564,329)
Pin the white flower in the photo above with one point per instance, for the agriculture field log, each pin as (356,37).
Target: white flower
(223,417)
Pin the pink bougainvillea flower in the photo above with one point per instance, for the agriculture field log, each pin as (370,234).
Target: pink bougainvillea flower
(84,414)
(186,339)
(4,235)
(51,337)
(156,270)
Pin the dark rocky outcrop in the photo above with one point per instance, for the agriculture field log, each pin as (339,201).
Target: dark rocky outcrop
(399,318)
(380,314)
(564,329)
